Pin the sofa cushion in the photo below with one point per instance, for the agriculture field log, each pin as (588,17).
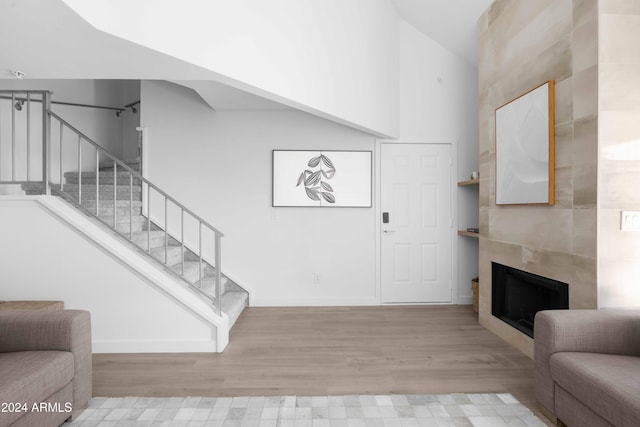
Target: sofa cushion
(29,377)
(608,384)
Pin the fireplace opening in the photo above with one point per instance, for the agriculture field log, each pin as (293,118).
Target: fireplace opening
(517,296)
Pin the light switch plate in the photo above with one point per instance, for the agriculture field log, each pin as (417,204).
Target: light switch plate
(630,221)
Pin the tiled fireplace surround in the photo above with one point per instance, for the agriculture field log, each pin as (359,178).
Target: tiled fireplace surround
(521,45)
(557,266)
(588,48)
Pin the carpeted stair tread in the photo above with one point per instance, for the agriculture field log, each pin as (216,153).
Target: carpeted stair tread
(109,166)
(208,282)
(155,237)
(174,254)
(89,192)
(232,305)
(192,270)
(122,178)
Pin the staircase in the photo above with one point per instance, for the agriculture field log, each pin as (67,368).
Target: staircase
(166,243)
(134,228)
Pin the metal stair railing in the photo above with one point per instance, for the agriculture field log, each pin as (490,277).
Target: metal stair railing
(90,159)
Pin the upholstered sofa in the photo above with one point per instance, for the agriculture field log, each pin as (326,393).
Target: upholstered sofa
(587,366)
(45,366)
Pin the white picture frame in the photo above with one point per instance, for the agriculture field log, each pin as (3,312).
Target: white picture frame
(525,148)
(322,178)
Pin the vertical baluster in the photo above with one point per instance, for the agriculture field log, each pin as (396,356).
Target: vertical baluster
(61,165)
(46,141)
(130,206)
(182,238)
(166,227)
(97,182)
(218,261)
(79,169)
(13,136)
(0,146)
(148,218)
(200,250)
(28,134)
(115,193)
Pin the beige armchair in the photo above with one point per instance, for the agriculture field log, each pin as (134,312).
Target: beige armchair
(587,366)
(45,366)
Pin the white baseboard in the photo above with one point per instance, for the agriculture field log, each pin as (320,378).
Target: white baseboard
(118,346)
(311,302)
(465,300)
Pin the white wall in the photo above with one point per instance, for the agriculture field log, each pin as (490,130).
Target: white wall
(44,258)
(130,120)
(439,101)
(337,59)
(219,165)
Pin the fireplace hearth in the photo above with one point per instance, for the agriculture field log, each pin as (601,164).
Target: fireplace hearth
(517,296)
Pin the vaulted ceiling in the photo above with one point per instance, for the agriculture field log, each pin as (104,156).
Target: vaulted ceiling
(452,23)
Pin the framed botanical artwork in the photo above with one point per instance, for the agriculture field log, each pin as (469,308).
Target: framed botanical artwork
(525,148)
(322,178)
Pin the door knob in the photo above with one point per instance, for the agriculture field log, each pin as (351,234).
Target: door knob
(388,231)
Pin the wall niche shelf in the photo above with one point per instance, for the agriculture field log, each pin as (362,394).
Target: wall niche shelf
(468,233)
(469,182)
(468,241)
(463,184)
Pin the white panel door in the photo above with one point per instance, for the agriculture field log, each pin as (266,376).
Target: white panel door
(416,240)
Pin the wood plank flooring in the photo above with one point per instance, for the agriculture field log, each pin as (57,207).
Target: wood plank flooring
(321,351)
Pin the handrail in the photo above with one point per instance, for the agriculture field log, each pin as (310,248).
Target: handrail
(132,104)
(72,104)
(135,173)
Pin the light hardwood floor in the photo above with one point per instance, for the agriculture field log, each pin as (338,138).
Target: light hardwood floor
(333,351)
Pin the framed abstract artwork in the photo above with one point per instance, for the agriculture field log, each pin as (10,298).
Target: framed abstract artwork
(525,148)
(322,178)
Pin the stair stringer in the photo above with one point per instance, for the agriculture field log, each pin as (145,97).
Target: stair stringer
(139,263)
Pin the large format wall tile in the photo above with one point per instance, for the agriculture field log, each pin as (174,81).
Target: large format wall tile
(554,63)
(585,141)
(619,35)
(585,93)
(619,185)
(620,86)
(585,186)
(524,44)
(564,144)
(584,292)
(584,233)
(563,104)
(585,45)
(584,10)
(621,7)
(619,152)
(537,227)
(525,30)
(620,127)
(618,284)
(563,189)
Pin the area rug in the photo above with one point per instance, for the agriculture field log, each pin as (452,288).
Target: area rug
(437,410)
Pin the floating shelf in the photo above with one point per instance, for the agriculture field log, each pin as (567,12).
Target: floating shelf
(469,182)
(468,233)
